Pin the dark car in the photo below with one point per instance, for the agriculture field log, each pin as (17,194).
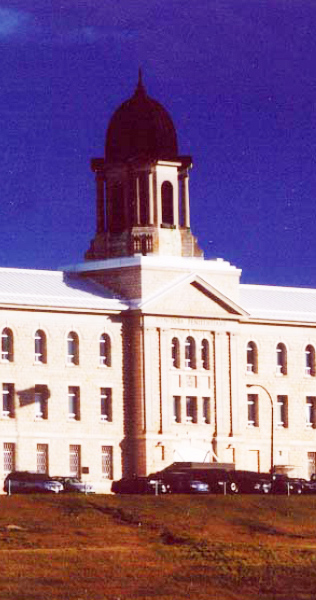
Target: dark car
(282,484)
(26,482)
(74,485)
(138,485)
(249,482)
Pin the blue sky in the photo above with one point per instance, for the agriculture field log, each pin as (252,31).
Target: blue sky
(239,80)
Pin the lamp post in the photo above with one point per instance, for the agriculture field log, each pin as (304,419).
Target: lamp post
(249,385)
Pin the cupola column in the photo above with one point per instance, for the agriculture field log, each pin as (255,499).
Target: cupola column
(151,198)
(100,202)
(185,201)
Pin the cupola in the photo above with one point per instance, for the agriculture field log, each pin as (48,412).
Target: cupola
(145,183)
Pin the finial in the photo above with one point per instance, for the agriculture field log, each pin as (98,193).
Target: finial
(140,89)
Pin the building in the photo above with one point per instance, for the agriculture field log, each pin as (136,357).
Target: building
(145,353)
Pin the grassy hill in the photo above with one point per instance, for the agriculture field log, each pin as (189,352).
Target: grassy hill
(167,547)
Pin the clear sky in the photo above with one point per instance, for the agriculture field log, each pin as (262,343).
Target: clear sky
(239,80)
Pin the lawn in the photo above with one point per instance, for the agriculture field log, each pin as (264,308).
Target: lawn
(166,547)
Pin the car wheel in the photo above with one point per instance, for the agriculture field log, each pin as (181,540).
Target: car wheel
(234,488)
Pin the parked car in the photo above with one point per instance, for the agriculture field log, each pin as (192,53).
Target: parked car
(138,485)
(282,484)
(181,482)
(26,482)
(74,485)
(249,482)
(308,486)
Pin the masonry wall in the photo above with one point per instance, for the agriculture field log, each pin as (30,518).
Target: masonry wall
(58,431)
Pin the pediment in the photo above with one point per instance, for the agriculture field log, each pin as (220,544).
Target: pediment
(192,296)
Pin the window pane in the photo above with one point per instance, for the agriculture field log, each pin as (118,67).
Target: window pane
(107,462)
(75,460)
(8,457)
(106,404)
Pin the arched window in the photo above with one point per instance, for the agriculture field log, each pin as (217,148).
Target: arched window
(7,345)
(310,360)
(205,354)
(117,208)
(72,348)
(167,203)
(40,346)
(175,353)
(190,354)
(105,350)
(252,358)
(281,359)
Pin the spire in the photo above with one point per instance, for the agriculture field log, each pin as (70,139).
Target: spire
(140,89)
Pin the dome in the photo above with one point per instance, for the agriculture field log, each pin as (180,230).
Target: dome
(140,128)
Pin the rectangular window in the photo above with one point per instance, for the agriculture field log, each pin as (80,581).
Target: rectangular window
(311,463)
(206,410)
(41,402)
(74,403)
(282,411)
(107,462)
(42,458)
(176,409)
(191,415)
(8,457)
(106,404)
(8,400)
(75,460)
(311,411)
(253,410)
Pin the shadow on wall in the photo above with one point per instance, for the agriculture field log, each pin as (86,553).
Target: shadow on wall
(39,393)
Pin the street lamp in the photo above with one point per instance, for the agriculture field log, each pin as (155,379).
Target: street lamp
(249,385)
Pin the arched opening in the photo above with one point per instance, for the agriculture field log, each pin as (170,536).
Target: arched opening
(167,203)
(40,347)
(252,358)
(190,353)
(281,359)
(310,360)
(117,208)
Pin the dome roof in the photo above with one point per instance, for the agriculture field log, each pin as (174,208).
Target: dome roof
(140,128)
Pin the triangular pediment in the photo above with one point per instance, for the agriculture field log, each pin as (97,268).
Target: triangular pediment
(191,296)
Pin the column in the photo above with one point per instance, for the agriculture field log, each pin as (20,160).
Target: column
(151,199)
(100,202)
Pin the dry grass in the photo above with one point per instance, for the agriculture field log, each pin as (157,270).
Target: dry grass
(119,548)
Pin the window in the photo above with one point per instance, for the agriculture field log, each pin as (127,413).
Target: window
(206,410)
(191,416)
(311,463)
(310,360)
(8,400)
(282,411)
(281,358)
(205,354)
(74,403)
(175,353)
(41,402)
(190,355)
(7,345)
(75,460)
(252,358)
(176,409)
(105,350)
(40,346)
(42,458)
(72,348)
(253,410)
(107,462)
(311,411)
(167,203)
(8,457)
(106,404)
